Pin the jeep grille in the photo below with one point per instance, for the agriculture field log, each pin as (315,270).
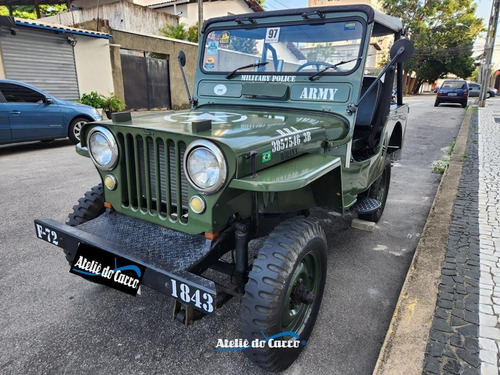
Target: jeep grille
(154,176)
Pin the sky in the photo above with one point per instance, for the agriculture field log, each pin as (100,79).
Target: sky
(284,4)
(483,7)
(483,10)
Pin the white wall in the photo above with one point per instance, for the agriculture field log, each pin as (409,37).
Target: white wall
(189,15)
(93,65)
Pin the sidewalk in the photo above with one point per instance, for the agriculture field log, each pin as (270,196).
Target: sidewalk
(447,320)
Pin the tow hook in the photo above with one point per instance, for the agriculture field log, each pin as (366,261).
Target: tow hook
(186,314)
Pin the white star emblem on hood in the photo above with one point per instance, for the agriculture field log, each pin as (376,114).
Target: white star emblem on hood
(215,117)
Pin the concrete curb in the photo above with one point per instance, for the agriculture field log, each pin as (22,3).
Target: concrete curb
(405,343)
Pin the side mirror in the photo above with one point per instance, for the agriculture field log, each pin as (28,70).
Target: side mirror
(182,61)
(48,101)
(402,49)
(182,58)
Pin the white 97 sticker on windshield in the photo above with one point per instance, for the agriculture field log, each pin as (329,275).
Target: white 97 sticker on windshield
(272,35)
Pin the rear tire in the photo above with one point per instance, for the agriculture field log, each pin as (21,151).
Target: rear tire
(379,190)
(436,103)
(284,291)
(464,104)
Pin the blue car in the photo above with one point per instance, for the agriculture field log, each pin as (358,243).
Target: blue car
(453,91)
(29,114)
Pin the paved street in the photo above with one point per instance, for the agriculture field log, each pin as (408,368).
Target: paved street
(55,322)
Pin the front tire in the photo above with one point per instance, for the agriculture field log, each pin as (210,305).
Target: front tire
(75,128)
(284,291)
(379,190)
(90,206)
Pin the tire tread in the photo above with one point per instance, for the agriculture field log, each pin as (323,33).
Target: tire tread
(267,279)
(90,206)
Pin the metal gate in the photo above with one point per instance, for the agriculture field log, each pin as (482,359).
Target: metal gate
(42,59)
(145,82)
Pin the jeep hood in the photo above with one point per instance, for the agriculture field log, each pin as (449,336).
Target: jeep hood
(243,129)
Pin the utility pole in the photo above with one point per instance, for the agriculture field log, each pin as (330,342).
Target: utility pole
(488,51)
(200,18)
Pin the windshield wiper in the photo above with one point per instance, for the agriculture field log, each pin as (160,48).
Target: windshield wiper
(256,65)
(311,78)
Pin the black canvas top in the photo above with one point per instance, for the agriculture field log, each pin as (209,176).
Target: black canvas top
(384,24)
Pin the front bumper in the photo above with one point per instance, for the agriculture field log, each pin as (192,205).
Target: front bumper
(165,254)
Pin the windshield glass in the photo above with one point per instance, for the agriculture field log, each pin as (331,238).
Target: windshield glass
(453,85)
(304,48)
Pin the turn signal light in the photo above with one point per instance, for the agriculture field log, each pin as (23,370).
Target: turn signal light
(197,204)
(110,182)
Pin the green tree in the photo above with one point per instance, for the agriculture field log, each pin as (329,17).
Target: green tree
(442,32)
(193,33)
(474,77)
(29,12)
(175,31)
(181,32)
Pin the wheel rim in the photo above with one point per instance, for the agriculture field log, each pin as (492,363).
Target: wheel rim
(305,278)
(77,128)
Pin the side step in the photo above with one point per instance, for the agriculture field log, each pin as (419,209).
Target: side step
(365,205)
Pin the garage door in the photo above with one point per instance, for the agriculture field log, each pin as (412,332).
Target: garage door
(42,59)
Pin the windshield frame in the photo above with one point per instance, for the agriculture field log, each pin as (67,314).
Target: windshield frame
(331,72)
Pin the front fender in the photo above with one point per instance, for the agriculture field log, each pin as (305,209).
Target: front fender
(290,175)
(81,150)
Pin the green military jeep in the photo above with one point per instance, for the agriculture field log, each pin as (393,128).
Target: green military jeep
(289,112)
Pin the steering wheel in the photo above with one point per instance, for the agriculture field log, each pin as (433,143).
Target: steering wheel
(317,64)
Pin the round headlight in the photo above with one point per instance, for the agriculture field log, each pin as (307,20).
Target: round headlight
(205,166)
(103,148)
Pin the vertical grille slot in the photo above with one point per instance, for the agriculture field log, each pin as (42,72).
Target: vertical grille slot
(173,180)
(140,172)
(161,182)
(183,186)
(154,176)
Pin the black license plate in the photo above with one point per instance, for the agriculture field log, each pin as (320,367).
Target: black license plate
(108,269)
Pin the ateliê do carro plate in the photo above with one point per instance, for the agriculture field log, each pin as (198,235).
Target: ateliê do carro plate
(107,269)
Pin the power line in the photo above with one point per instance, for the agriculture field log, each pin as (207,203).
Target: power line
(287,7)
(268,5)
